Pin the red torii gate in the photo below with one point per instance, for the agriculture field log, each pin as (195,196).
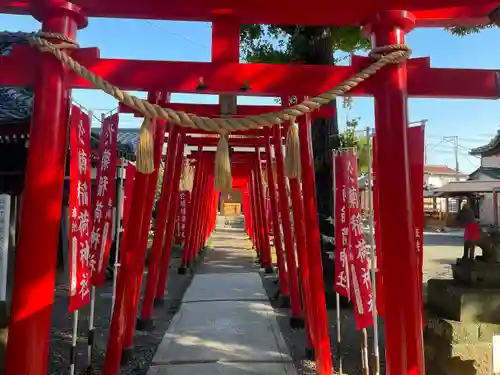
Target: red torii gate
(33,294)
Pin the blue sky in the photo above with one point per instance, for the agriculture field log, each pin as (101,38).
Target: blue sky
(473,121)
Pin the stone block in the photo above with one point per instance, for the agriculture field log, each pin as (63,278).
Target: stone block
(446,358)
(453,332)
(463,303)
(477,273)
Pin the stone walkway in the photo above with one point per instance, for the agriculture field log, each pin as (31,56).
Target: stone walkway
(226,324)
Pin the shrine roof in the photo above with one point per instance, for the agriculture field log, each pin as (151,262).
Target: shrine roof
(430,13)
(16,104)
(491,172)
(465,188)
(491,148)
(128,138)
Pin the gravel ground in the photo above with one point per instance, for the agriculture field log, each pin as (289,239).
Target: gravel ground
(439,252)
(296,339)
(145,343)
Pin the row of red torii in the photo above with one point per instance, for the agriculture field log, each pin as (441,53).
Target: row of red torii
(33,294)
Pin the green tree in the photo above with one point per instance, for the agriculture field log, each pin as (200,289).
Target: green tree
(355,138)
(315,46)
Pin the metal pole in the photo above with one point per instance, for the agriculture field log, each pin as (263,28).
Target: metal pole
(337,296)
(119,214)
(373,254)
(90,339)
(364,352)
(5,202)
(74,339)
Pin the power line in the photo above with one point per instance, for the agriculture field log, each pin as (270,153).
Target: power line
(175,34)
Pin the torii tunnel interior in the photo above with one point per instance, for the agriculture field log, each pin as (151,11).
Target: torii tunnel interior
(279,228)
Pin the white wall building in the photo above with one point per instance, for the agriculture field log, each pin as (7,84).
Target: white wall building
(436,176)
(488,171)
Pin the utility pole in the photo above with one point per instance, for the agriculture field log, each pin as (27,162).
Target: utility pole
(457,173)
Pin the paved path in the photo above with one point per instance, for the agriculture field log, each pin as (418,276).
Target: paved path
(226,325)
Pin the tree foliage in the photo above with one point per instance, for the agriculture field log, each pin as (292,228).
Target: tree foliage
(355,138)
(285,44)
(316,45)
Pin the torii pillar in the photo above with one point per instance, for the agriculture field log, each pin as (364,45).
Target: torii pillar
(403,313)
(33,294)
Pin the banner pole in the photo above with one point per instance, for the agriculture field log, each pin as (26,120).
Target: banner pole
(119,215)
(373,253)
(74,338)
(90,339)
(364,352)
(337,296)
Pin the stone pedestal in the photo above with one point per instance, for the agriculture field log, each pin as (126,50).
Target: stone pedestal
(463,303)
(457,348)
(476,274)
(463,315)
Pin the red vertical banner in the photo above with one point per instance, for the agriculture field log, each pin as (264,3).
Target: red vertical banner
(79,204)
(184,198)
(359,268)
(378,246)
(268,212)
(342,282)
(416,146)
(104,197)
(416,150)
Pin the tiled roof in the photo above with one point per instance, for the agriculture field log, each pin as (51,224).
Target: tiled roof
(438,170)
(490,146)
(491,172)
(128,138)
(16,103)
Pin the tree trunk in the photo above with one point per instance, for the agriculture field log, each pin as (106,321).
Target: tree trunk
(314,46)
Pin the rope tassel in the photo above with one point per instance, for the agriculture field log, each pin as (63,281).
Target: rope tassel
(145,148)
(292,151)
(223,178)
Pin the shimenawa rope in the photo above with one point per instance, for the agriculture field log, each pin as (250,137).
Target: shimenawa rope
(391,54)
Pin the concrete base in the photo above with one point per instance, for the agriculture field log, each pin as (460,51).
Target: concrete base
(225,368)
(145,324)
(310,354)
(284,301)
(463,303)
(269,270)
(297,323)
(127,355)
(159,302)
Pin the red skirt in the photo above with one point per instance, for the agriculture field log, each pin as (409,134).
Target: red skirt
(472,232)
